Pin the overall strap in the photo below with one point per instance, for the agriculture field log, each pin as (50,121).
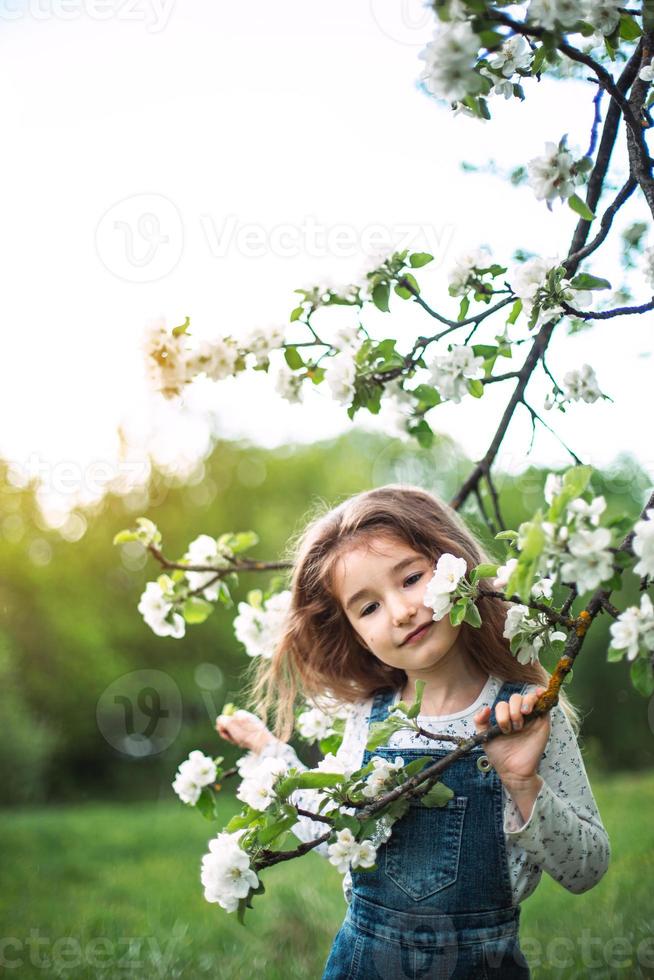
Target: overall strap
(506,690)
(380,705)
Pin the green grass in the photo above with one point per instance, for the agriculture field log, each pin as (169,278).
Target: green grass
(113,891)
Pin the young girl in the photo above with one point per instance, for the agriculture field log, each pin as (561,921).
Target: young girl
(444,900)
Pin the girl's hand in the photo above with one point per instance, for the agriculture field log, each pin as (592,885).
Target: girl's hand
(244,729)
(515,759)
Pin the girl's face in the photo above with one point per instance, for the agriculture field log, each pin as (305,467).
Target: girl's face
(380,585)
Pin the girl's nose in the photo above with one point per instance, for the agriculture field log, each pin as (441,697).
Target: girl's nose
(404,615)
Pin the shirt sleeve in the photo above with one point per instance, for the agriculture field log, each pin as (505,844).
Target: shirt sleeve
(350,754)
(564,834)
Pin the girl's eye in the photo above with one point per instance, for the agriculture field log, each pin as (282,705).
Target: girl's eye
(416,576)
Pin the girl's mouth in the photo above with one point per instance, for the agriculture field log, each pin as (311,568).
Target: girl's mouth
(419,635)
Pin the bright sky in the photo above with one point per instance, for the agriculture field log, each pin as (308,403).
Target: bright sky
(204,158)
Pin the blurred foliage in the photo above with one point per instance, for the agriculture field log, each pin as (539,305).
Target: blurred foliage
(69,627)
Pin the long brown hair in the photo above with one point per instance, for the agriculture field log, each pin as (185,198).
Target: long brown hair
(319,652)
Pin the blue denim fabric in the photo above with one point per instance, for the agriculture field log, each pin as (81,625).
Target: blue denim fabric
(439,905)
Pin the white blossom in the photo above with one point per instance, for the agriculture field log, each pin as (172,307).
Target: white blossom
(345,853)
(381,774)
(438,593)
(634,625)
(643,544)
(553,487)
(450,372)
(529,283)
(552,175)
(583,511)
(347,338)
(155,607)
(331,763)
(604,15)
(261,341)
(257,788)
(646,73)
(552,13)
(259,628)
(289,384)
(340,372)
(450,60)
(314,724)
(504,573)
(520,620)
(648,255)
(581,384)
(215,358)
(589,563)
(462,272)
(515,53)
(226,873)
(204,551)
(165,358)
(195,772)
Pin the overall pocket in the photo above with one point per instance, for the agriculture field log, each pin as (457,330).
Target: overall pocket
(422,855)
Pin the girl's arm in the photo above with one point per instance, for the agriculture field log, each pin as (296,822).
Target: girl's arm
(564,833)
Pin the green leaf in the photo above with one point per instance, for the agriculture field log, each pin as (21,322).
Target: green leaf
(122,536)
(417,764)
(427,396)
(414,710)
(506,536)
(463,308)
(182,328)
(319,780)
(642,676)
(293,358)
(472,616)
(585,281)
(418,259)
(398,808)
(381,731)
(423,433)
(438,795)
(296,314)
(242,541)
(207,803)
(475,387)
(483,571)
(580,207)
(196,610)
(268,834)
(380,296)
(458,612)
(613,655)
(629,29)
(402,291)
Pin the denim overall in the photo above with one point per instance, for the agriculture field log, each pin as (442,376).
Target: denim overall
(439,905)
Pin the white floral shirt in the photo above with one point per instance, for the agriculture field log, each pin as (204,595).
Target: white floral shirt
(564,834)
